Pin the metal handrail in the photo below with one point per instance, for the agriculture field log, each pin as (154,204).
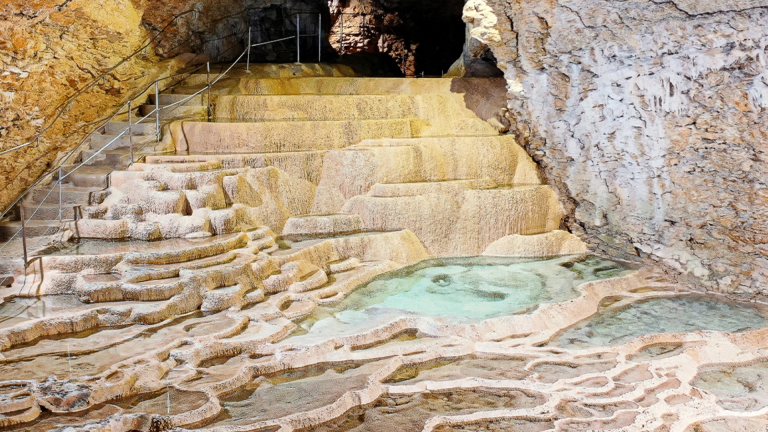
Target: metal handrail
(103,123)
(77,148)
(70,100)
(297,37)
(155,112)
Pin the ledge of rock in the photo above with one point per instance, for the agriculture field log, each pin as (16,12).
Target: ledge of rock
(552,243)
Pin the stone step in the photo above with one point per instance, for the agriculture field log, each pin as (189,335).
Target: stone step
(448,188)
(263,244)
(271,137)
(98,142)
(362,86)
(290,273)
(278,71)
(170,252)
(261,233)
(178,111)
(34,228)
(343,266)
(440,115)
(88,176)
(118,127)
(319,108)
(314,281)
(402,247)
(387,161)
(305,227)
(305,165)
(172,98)
(69,194)
(119,158)
(466,224)
(117,290)
(450,126)
(47,212)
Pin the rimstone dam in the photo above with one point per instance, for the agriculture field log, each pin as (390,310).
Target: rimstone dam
(384,215)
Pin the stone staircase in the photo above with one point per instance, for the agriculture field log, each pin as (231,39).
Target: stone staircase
(84,185)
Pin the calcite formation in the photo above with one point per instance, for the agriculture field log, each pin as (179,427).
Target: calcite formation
(421,159)
(129,352)
(650,116)
(268,218)
(263,223)
(211,286)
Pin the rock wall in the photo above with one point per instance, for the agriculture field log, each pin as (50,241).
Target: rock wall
(50,50)
(651,117)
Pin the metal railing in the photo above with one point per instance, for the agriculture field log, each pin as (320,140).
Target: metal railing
(67,105)
(58,175)
(297,37)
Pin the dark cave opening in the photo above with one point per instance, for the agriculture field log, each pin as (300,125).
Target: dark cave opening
(373,37)
(421,37)
(438,34)
(273,31)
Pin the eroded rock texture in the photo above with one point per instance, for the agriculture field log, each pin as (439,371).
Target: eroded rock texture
(652,117)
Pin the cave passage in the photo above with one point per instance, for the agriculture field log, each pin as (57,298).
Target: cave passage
(374,37)
(420,37)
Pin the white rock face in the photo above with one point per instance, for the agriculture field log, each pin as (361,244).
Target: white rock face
(651,116)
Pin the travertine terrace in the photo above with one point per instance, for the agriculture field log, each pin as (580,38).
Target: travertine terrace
(183,297)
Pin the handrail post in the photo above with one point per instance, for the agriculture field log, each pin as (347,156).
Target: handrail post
(208,80)
(248,62)
(341,35)
(61,194)
(319,37)
(23,234)
(298,38)
(157,111)
(130,128)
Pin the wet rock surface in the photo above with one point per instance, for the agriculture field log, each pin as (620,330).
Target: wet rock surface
(250,369)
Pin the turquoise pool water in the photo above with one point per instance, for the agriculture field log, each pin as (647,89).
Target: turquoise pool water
(465,289)
(684,313)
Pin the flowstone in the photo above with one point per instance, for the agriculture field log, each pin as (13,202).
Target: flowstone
(412,281)
(421,366)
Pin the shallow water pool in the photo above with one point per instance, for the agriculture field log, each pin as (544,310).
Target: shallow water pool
(679,314)
(737,387)
(464,290)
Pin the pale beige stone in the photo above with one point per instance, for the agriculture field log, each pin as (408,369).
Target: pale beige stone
(552,243)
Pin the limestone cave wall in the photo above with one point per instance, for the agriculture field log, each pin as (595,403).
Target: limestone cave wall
(650,117)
